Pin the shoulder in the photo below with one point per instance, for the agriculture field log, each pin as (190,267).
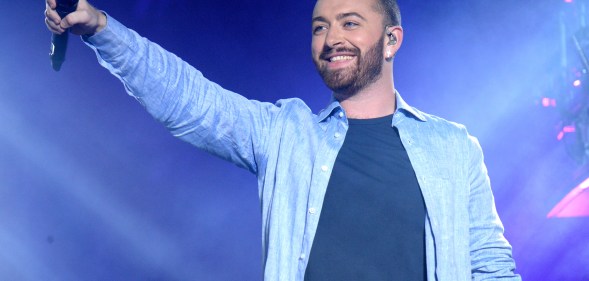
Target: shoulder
(452,132)
(440,125)
(437,131)
(293,110)
(292,104)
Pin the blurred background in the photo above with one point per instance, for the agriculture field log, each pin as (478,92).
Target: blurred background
(92,188)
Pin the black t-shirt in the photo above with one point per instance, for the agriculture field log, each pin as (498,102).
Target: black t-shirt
(372,223)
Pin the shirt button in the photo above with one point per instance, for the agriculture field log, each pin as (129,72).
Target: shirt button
(312,211)
(303,256)
(341,115)
(324,168)
(337,135)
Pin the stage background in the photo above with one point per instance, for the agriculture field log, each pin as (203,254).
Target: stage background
(92,188)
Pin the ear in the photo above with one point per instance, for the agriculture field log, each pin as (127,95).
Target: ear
(393,40)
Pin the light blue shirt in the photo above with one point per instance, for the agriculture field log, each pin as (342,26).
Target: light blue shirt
(292,152)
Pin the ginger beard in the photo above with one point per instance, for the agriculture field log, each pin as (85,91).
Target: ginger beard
(347,82)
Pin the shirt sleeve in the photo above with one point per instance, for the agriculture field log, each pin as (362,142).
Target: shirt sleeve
(176,94)
(491,256)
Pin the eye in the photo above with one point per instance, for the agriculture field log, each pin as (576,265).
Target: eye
(350,25)
(318,29)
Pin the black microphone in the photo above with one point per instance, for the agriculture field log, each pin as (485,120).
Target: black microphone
(59,41)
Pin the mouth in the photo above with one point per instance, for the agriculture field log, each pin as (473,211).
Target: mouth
(338,59)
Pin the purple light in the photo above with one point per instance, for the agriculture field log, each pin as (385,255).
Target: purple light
(569,129)
(584,184)
(565,130)
(574,204)
(548,102)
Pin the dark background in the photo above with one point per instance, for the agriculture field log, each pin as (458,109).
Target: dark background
(92,188)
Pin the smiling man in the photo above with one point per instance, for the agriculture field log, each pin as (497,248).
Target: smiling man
(370,188)
(348,44)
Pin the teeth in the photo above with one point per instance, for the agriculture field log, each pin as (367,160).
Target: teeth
(340,58)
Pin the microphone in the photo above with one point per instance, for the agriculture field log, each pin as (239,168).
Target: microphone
(59,41)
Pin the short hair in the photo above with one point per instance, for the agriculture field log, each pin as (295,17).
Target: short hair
(390,11)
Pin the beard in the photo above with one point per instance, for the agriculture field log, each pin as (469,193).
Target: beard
(349,81)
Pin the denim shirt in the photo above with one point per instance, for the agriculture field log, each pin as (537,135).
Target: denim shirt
(292,152)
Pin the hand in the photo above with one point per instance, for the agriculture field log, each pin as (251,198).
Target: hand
(86,20)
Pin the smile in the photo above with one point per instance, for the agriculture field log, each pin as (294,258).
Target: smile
(340,58)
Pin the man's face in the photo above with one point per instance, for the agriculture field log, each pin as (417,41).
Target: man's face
(347,44)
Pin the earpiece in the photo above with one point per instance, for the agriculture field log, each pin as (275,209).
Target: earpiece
(392,41)
(392,37)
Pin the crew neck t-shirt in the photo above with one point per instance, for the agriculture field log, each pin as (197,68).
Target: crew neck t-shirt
(372,222)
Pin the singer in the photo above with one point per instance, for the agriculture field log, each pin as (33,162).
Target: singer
(369,188)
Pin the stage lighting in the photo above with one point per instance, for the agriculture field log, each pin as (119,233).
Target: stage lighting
(570,96)
(574,204)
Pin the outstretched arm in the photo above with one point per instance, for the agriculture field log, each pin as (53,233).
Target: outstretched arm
(175,93)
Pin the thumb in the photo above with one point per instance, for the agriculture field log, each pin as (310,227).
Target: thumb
(79,16)
(84,22)
(70,20)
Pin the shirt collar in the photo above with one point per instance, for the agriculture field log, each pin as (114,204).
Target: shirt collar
(335,107)
(402,105)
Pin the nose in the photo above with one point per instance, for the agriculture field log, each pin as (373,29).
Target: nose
(334,38)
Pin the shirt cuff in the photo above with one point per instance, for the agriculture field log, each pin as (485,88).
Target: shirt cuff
(113,40)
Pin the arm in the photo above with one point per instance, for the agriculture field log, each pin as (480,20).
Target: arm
(176,94)
(489,250)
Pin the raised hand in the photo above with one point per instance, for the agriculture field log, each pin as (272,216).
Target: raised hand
(86,20)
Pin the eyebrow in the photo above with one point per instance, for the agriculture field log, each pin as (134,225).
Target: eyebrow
(340,17)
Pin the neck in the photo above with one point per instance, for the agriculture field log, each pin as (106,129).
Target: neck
(375,100)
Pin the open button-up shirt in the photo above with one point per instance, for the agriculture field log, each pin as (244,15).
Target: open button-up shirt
(291,150)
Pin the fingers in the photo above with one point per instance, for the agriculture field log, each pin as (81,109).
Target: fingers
(52,19)
(51,4)
(85,20)
(51,14)
(54,28)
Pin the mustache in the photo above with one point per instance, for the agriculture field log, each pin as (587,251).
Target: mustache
(326,52)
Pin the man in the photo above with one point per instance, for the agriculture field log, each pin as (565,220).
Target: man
(368,189)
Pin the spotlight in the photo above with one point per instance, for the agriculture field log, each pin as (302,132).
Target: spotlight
(574,204)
